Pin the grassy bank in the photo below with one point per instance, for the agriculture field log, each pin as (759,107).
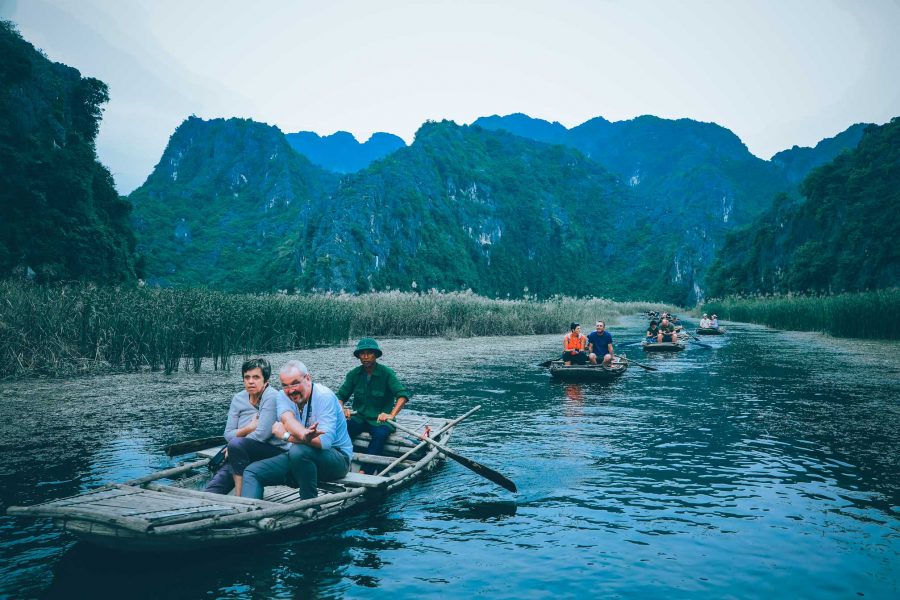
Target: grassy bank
(870,315)
(69,329)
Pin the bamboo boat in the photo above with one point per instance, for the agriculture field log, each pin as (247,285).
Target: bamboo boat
(710,331)
(662,346)
(145,514)
(597,373)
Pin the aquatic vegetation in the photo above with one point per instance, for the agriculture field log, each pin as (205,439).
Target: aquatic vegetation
(859,315)
(78,328)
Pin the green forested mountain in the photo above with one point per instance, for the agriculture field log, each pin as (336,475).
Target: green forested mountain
(698,180)
(224,201)
(60,215)
(839,238)
(464,207)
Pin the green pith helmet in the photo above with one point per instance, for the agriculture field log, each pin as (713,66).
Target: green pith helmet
(367,344)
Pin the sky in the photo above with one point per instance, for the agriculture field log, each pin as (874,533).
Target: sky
(778,73)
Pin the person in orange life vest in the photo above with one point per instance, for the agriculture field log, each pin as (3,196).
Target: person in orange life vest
(573,346)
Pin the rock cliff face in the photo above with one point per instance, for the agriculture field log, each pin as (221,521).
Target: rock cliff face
(225,205)
(60,215)
(340,152)
(838,238)
(798,162)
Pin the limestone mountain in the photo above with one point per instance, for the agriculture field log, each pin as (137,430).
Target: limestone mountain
(839,238)
(464,207)
(697,181)
(224,200)
(60,215)
(340,152)
(798,161)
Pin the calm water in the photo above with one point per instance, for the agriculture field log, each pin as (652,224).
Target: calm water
(766,466)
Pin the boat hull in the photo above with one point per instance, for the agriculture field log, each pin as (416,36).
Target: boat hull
(710,331)
(591,373)
(662,347)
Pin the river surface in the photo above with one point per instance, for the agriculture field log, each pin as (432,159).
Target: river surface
(766,466)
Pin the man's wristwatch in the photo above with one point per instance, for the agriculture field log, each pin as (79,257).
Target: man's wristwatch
(286,436)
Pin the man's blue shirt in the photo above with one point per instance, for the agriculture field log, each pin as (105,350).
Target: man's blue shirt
(601,341)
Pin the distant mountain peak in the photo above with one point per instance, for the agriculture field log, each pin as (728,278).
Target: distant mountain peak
(341,152)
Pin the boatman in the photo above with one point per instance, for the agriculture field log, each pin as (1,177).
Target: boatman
(574,345)
(312,423)
(600,344)
(667,332)
(378,396)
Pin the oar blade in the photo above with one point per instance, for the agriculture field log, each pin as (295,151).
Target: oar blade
(486,472)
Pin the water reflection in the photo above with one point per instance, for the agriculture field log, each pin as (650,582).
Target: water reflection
(723,471)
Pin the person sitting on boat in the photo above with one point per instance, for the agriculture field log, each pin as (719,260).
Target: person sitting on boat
(704,322)
(243,415)
(574,345)
(600,344)
(378,396)
(311,421)
(258,443)
(714,322)
(652,332)
(666,332)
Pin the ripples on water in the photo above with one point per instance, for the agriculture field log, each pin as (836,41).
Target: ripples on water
(765,466)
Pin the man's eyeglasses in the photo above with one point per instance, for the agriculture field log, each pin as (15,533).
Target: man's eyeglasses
(292,386)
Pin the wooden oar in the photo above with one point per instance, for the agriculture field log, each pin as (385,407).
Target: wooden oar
(477,467)
(547,363)
(628,360)
(696,340)
(194,445)
(411,451)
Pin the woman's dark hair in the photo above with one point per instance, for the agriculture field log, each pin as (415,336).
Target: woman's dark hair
(257,363)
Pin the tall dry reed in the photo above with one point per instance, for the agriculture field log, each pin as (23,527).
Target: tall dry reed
(78,328)
(869,315)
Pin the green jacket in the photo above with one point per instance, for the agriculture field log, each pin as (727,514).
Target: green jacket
(372,396)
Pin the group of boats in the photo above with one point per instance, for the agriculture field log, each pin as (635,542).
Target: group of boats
(602,373)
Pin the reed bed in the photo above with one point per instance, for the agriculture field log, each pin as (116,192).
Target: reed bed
(81,328)
(869,315)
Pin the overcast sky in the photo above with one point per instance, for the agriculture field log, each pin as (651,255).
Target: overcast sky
(777,73)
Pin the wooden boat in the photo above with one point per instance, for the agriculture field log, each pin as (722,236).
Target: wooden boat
(662,346)
(710,331)
(598,373)
(146,515)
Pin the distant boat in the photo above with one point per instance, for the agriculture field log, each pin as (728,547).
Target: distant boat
(144,515)
(597,373)
(710,331)
(662,346)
